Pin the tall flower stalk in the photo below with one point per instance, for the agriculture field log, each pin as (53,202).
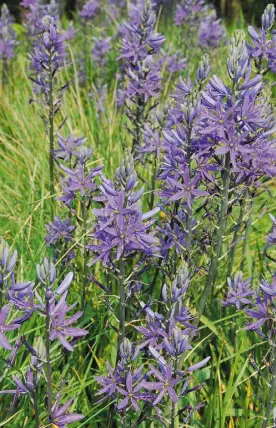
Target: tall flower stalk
(47,60)
(139,48)
(87,14)
(48,297)
(241,125)
(219,235)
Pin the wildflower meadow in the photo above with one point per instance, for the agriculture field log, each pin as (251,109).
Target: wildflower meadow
(137,215)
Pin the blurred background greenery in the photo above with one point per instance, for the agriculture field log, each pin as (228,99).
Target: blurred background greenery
(248,10)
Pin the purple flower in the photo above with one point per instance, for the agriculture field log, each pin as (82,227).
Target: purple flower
(7,262)
(211,31)
(185,190)
(33,16)
(4,312)
(100,50)
(59,230)
(60,417)
(8,42)
(238,291)
(68,147)
(80,180)
(48,54)
(61,327)
(121,226)
(22,388)
(268,17)
(90,10)
(131,394)
(188,11)
(269,289)
(46,272)
(109,383)
(138,49)
(271,239)
(175,62)
(263,43)
(261,313)
(165,383)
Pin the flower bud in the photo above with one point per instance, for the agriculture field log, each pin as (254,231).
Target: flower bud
(268,17)
(203,70)
(126,349)
(49,294)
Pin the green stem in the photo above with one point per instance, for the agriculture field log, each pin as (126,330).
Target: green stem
(154,177)
(1,293)
(174,416)
(212,273)
(4,73)
(272,391)
(136,142)
(247,228)
(235,238)
(48,361)
(51,136)
(85,268)
(85,53)
(189,210)
(122,308)
(36,410)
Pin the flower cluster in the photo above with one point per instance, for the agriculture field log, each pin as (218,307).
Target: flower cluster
(48,55)
(8,40)
(52,306)
(121,224)
(211,31)
(181,177)
(189,11)
(89,10)
(102,46)
(166,337)
(263,44)
(139,47)
(35,11)
(200,22)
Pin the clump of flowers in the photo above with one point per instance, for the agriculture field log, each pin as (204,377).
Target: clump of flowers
(138,50)
(87,14)
(52,306)
(263,42)
(165,336)
(199,24)
(211,31)
(35,10)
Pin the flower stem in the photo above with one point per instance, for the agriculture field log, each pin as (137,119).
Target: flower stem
(48,361)
(247,228)
(122,305)
(272,391)
(85,53)
(51,136)
(153,184)
(4,72)
(36,411)
(189,209)
(1,293)
(174,410)
(85,270)
(235,238)
(212,273)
